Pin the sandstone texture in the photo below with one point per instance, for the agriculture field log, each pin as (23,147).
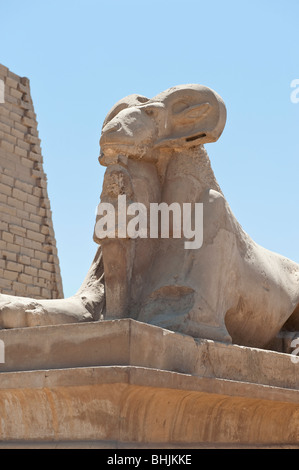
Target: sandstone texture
(230,289)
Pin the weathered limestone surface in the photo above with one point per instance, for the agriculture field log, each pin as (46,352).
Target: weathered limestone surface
(29,263)
(110,388)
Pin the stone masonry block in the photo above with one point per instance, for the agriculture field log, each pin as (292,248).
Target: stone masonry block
(30,264)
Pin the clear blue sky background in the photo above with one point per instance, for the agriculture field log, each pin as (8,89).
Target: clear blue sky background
(81,56)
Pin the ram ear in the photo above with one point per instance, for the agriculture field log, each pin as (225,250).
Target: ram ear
(198,111)
(195,115)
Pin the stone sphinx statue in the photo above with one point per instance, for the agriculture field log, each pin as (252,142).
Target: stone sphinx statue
(228,289)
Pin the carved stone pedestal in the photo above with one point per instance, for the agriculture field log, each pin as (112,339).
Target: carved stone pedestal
(125,384)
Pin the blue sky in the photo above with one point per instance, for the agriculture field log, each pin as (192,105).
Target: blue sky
(82,56)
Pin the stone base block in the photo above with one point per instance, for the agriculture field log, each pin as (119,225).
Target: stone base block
(123,383)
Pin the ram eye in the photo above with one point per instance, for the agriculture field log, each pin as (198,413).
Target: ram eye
(152,109)
(149,111)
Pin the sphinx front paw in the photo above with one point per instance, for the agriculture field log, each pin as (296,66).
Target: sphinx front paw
(20,313)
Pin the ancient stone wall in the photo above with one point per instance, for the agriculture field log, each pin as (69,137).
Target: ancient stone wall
(29,263)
